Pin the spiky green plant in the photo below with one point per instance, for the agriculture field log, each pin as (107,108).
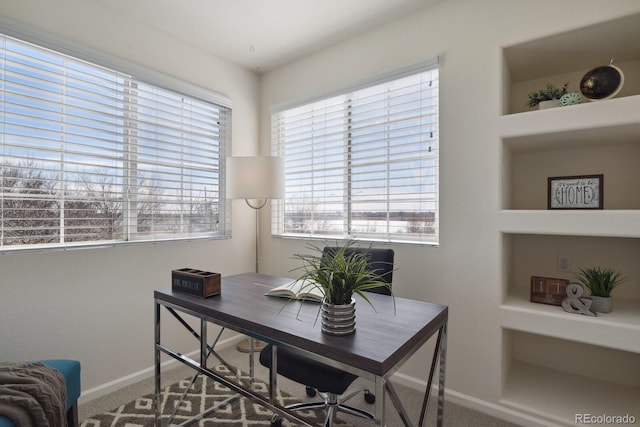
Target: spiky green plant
(600,281)
(547,94)
(341,273)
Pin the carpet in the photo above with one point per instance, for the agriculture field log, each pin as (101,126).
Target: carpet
(203,394)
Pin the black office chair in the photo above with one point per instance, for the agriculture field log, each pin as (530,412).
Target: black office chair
(329,381)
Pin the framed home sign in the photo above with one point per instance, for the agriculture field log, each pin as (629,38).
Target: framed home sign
(575,192)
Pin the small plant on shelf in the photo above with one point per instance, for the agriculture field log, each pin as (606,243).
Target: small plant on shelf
(600,281)
(549,93)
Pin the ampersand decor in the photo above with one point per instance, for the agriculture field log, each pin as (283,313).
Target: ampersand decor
(573,303)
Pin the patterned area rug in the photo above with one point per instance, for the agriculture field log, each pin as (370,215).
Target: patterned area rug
(203,395)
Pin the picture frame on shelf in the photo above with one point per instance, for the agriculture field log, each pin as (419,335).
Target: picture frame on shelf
(575,192)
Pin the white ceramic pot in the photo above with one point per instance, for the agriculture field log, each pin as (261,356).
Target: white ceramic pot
(552,103)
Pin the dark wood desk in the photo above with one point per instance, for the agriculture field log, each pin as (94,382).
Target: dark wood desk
(382,342)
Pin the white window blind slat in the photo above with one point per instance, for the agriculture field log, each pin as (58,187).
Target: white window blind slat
(362,164)
(89,154)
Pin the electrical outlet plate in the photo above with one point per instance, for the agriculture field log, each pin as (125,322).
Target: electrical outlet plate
(564,263)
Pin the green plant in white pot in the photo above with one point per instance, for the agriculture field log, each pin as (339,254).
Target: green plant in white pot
(600,281)
(340,273)
(549,93)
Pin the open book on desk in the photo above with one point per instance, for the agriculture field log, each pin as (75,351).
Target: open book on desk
(299,289)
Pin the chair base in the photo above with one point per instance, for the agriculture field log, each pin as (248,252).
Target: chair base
(332,404)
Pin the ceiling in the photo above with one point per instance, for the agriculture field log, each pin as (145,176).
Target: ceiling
(263,34)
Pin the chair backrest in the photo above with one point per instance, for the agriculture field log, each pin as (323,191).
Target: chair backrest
(380,261)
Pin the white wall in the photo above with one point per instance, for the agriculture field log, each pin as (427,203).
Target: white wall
(96,305)
(465,272)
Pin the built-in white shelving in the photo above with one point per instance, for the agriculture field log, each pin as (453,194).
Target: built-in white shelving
(613,121)
(560,396)
(619,329)
(615,223)
(601,137)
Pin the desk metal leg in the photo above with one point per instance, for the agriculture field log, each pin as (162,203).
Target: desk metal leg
(397,403)
(210,347)
(205,349)
(439,356)
(210,351)
(380,401)
(273,375)
(203,344)
(157,361)
(252,368)
(443,363)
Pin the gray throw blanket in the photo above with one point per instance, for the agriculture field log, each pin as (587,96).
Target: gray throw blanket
(33,395)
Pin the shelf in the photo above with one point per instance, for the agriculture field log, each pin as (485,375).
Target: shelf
(575,49)
(565,143)
(597,223)
(566,57)
(594,123)
(558,396)
(619,329)
(560,364)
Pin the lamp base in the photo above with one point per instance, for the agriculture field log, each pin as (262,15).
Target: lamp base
(244,346)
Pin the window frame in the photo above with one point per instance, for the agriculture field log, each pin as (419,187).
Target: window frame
(278,206)
(146,76)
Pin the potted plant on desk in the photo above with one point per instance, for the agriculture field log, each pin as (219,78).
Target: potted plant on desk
(600,282)
(340,273)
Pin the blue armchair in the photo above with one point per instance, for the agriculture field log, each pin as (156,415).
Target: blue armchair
(70,370)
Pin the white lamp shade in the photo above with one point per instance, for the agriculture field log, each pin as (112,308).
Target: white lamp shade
(255,177)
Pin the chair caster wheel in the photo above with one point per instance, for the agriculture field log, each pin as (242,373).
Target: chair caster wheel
(276,421)
(311,392)
(369,397)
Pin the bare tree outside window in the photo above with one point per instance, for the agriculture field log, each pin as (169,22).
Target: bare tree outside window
(30,212)
(90,154)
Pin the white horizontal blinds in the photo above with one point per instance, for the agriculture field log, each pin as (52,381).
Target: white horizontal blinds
(364,164)
(174,167)
(393,159)
(76,156)
(60,146)
(313,141)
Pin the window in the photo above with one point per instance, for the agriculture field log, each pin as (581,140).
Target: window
(362,165)
(93,155)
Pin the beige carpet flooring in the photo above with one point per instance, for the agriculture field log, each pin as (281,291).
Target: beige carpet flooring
(455,415)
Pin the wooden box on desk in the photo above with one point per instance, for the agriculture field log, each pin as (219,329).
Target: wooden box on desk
(548,290)
(195,282)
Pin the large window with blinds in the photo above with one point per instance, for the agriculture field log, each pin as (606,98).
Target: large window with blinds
(89,155)
(362,165)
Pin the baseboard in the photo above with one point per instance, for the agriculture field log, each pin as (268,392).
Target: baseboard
(489,408)
(111,386)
